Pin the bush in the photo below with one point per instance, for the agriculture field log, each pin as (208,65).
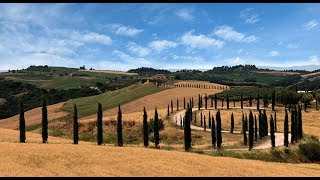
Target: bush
(151,125)
(311,148)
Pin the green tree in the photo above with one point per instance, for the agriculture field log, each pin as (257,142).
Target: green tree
(265,127)
(261,134)
(211,104)
(244,130)
(272,136)
(168,113)
(156,129)
(213,133)
(275,121)
(119,127)
(22,123)
(199,103)
(209,119)
(192,102)
(273,101)
(177,104)
(306,99)
(219,135)
(99,125)
(293,129)
(201,121)
(206,101)
(184,102)
(251,130)
(146,128)
(265,101)
(187,129)
(44,121)
(75,125)
(299,123)
(286,129)
(232,123)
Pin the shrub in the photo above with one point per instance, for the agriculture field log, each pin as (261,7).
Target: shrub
(311,148)
(151,125)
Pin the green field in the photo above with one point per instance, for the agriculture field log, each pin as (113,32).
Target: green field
(265,79)
(88,105)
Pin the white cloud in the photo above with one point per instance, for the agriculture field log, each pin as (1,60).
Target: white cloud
(292,46)
(161,45)
(200,41)
(129,59)
(311,24)
(91,37)
(235,61)
(125,30)
(227,33)
(314,60)
(185,14)
(249,16)
(188,58)
(274,53)
(138,50)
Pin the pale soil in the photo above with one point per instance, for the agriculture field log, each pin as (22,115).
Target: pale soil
(88,159)
(134,110)
(34,116)
(110,72)
(311,74)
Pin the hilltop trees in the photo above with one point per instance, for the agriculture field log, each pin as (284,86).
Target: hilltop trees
(22,123)
(219,135)
(44,121)
(99,125)
(286,129)
(119,127)
(251,130)
(75,125)
(156,129)
(145,128)
(232,123)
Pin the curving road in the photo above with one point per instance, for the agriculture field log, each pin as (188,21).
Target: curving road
(279,137)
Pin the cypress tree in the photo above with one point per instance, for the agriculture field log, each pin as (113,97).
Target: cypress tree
(232,123)
(22,123)
(241,101)
(255,128)
(227,101)
(75,125)
(211,105)
(299,120)
(201,121)
(242,123)
(99,125)
(119,127)
(219,135)
(250,100)
(272,136)
(286,129)
(234,103)
(258,104)
(251,122)
(261,130)
(293,132)
(192,102)
(156,129)
(206,101)
(265,123)
(184,103)
(204,123)
(187,129)
(168,113)
(44,121)
(145,128)
(273,101)
(222,102)
(209,120)
(171,106)
(199,103)
(177,104)
(180,121)
(213,133)
(215,101)
(244,131)
(275,121)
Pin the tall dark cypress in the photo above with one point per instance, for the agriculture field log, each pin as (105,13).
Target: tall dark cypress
(232,123)
(168,113)
(156,129)
(145,128)
(227,101)
(244,130)
(286,129)
(213,133)
(250,100)
(99,125)
(184,102)
(299,117)
(219,135)
(296,123)
(272,136)
(241,101)
(222,102)
(192,102)
(215,101)
(187,128)
(242,123)
(119,127)
(258,104)
(209,119)
(293,129)
(261,130)
(211,104)
(201,121)
(255,128)
(75,125)
(265,100)
(177,104)
(273,101)
(251,122)
(44,121)
(204,123)
(206,101)
(199,103)
(265,123)
(171,106)
(275,121)
(22,123)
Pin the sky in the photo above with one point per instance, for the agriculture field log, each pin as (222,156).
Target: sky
(123,36)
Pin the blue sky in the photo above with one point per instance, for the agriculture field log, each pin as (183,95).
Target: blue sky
(170,36)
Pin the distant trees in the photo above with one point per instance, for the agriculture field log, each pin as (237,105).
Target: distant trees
(44,121)
(99,125)
(75,125)
(156,129)
(146,128)
(251,130)
(232,123)
(219,135)
(119,127)
(286,129)
(22,123)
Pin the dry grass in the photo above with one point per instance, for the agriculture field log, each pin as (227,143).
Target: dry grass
(311,74)
(110,72)
(134,110)
(87,159)
(34,116)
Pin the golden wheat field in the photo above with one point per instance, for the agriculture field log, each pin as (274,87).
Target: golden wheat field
(88,159)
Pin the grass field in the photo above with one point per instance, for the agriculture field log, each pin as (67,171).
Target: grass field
(109,72)
(61,158)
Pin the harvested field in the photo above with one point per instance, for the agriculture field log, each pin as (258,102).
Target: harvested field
(34,116)
(87,159)
(110,72)
(311,74)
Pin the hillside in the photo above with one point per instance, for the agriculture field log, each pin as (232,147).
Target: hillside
(61,158)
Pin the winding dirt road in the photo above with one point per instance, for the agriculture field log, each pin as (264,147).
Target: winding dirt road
(279,137)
